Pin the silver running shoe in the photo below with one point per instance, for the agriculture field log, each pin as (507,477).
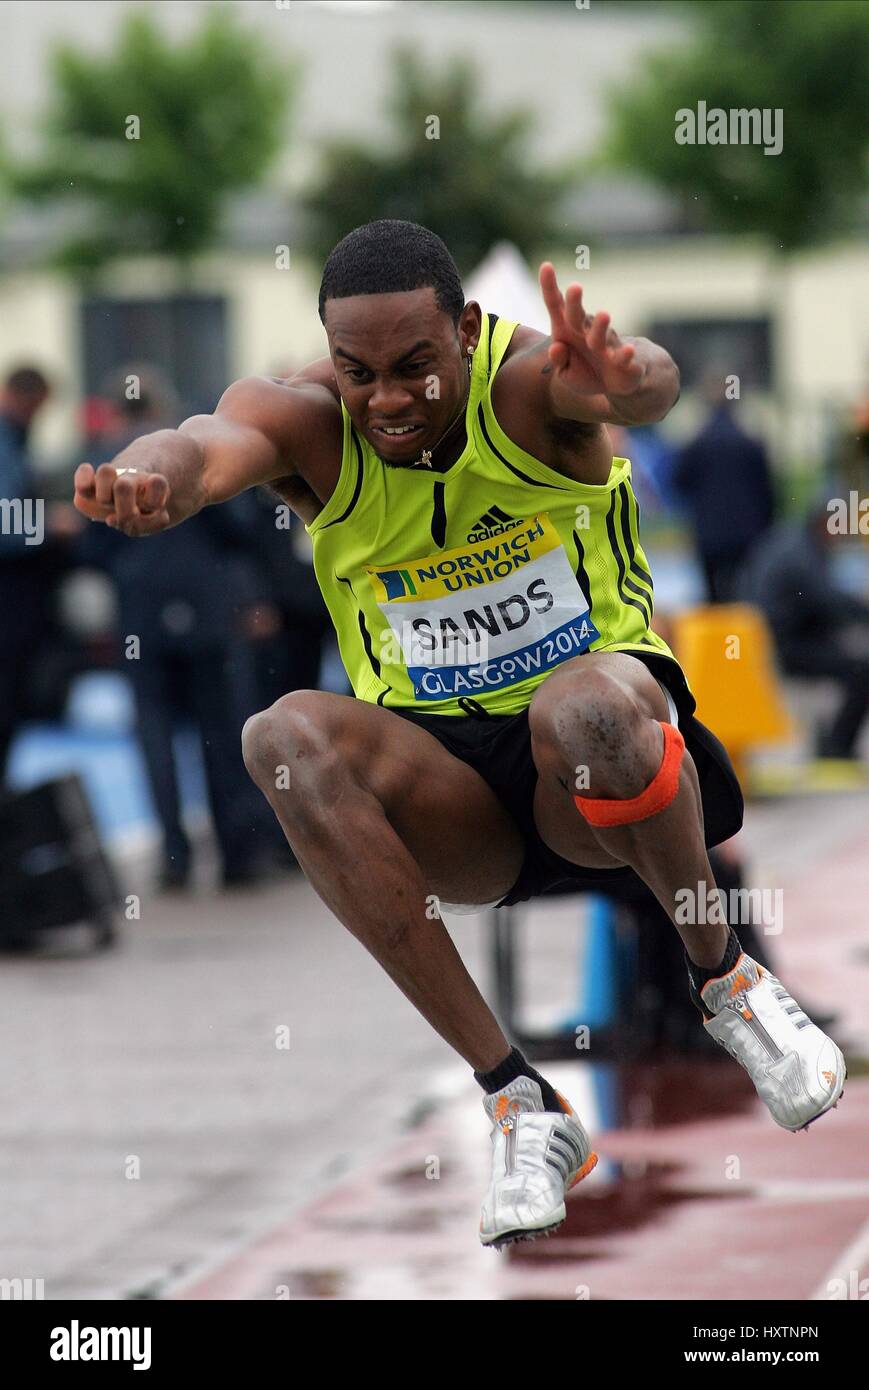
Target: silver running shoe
(537,1156)
(798,1072)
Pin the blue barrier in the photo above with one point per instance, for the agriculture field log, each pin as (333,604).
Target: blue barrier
(599,968)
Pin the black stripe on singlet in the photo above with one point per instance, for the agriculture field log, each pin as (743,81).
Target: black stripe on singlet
(438,516)
(535,482)
(631,580)
(620,562)
(630,503)
(582,573)
(366,635)
(357,489)
(493,319)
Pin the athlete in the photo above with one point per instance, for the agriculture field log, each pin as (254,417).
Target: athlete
(516,723)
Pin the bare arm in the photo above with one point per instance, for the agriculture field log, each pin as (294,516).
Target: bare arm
(258,433)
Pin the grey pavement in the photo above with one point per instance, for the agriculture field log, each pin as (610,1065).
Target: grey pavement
(165,1050)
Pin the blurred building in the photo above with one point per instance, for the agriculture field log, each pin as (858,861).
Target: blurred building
(704,297)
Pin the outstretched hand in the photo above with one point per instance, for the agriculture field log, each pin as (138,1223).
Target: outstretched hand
(125,499)
(587,357)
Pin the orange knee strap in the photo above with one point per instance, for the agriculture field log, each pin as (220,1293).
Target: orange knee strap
(658,794)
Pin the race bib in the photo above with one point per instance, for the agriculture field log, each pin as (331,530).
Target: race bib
(484,616)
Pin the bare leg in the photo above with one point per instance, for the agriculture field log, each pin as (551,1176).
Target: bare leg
(384,821)
(601,713)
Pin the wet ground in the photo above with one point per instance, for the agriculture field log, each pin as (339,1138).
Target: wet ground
(711,1208)
(157,1141)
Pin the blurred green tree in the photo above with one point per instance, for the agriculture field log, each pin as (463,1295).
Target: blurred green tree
(4,173)
(465,175)
(809,60)
(149,140)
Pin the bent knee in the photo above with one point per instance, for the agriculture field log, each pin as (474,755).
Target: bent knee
(596,727)
(291,730)
(595,712)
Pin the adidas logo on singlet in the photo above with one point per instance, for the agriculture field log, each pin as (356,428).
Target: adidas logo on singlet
(492,523)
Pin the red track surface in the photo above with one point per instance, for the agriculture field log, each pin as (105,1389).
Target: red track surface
(708,1200)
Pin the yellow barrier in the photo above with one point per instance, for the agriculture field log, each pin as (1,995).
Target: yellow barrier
(726,652)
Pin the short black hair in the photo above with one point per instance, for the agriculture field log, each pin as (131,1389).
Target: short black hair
(391,256)
(28,382)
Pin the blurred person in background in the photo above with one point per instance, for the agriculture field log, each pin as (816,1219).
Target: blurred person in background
(653,458)
(185,602)
(33,552)
(857,456)
(821,630)
(724,481)
(291,626)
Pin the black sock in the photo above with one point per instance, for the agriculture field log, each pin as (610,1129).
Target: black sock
(698,975)
(513,1065)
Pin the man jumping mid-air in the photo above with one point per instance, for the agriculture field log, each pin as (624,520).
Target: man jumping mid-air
(516,723)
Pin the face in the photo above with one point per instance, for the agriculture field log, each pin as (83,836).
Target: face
(401,365)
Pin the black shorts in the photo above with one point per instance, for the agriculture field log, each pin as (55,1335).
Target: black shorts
(498,746)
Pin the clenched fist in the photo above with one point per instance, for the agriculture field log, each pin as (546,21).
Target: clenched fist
(126,499)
